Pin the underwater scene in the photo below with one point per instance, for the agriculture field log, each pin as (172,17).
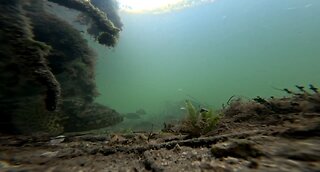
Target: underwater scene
(159,85)
(208,53)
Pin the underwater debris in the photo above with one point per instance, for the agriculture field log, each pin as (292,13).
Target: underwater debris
(230,99)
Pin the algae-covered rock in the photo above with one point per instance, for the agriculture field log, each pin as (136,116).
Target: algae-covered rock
(36,118)
(110,7)
(46,63)
(101,27)
(23,59)
(94,116)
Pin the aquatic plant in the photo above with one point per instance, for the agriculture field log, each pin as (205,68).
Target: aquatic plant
(301,100)
(271,110)
(209,120)
(192,113)
(199,122)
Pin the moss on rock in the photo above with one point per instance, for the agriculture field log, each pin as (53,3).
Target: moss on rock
(45,63)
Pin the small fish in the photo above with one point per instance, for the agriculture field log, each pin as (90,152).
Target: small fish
(313,88)
(141,112)
(203,110)
(182,108)
(287,91)
(260,100)
(301,88)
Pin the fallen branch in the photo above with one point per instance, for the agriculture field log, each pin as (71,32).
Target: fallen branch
(195,142)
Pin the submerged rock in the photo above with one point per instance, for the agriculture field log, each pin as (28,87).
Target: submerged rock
(235,148)
(46,64)
(101,27)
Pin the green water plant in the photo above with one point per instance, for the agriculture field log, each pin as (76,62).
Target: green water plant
(199,122)
(192,113)
(209,120)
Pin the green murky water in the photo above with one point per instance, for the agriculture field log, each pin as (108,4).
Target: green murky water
(211,52)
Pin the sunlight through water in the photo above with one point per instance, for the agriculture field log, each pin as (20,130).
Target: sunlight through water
(157,6)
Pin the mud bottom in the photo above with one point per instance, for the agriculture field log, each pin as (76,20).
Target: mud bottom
(291,144)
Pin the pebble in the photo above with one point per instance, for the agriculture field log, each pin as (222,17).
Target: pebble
(49,154)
